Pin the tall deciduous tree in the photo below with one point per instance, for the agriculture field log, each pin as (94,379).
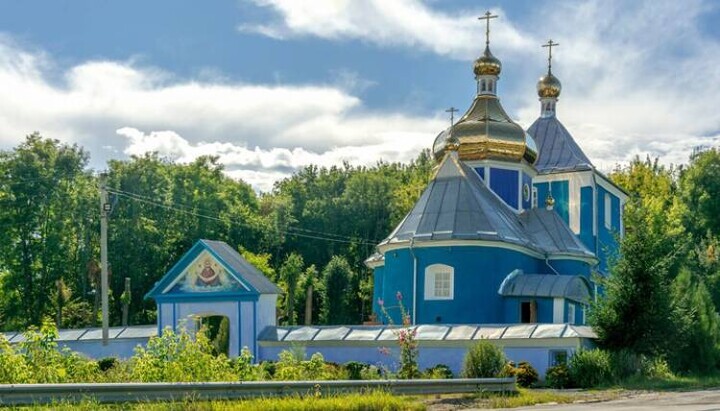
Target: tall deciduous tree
(290,273)
(337,277)
(44,192)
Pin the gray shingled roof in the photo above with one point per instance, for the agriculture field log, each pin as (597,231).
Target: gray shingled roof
(457,205)
(242,267)
(558,151)
(572,287)
(551,233)
(369,334)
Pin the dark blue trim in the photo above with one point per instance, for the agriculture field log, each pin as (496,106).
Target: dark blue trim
(255,329)
(184,261)
(240,333)
(159,320)
(218,297)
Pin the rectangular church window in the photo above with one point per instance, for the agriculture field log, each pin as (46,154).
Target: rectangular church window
(439,282)
(608,211)
(442,285)
(528,312)
(571,314)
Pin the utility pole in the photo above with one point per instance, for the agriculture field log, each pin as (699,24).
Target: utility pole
(104,210)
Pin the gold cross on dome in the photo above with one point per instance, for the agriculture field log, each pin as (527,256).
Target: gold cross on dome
(452,111)
(487,18)
(550,44)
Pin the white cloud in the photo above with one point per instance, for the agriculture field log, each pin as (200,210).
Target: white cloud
(638,77)
(284,126)
(406,23)
(262,167)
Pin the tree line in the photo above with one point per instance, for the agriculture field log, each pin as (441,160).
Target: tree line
(663,295)
(313,230)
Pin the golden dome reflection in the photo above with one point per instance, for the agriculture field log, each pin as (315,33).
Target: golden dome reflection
(487,64)
(549,86)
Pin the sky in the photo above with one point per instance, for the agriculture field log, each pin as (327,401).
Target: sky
(271,86)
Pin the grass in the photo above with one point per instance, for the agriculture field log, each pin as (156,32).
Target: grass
(377,400)
(672,383)
(525,397)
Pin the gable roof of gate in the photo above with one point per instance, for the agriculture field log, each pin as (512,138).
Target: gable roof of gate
(244,273)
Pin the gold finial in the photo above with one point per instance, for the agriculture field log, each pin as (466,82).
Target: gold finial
(487,18)
(549,201)
(550,44)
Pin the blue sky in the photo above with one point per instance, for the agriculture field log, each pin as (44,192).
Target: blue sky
(273,85)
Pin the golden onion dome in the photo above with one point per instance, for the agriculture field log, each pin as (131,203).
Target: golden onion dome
(549,86)
(487,64)
(487,132)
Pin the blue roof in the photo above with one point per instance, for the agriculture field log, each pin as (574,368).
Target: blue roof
(249,275)
(457,205)
(557,150)
(518,284)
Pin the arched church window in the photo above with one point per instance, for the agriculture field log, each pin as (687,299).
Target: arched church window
(439,282)
(482,85)
(608,211)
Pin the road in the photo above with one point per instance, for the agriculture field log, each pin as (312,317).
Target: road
(686,401)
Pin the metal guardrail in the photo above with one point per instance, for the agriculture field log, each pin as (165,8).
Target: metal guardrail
(31,394)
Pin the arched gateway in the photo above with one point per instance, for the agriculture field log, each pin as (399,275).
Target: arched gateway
(213,279)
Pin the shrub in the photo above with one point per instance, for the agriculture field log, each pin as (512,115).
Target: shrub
(590,368)
(244,368)
(291,367)
(655,368)
(177,357)
(354,370)
(107,363)
(371,373)
(558,376)
(526,374)
(483,360)
(438,372)
(624,364)
(12,365)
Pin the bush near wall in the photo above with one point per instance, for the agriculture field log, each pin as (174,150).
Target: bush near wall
(484,360)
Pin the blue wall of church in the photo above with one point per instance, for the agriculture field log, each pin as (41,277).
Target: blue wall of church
(512,309)
(586,218)
(607,243)
(561,194)
(526,204)
(478,273)
(505,184)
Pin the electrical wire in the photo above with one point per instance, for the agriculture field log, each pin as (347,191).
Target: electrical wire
(185,210)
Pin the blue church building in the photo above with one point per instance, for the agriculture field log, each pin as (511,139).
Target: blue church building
(514,226)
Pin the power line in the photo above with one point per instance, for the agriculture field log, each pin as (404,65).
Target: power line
(177,208)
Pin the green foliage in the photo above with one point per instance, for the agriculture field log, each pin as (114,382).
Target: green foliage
(700,192)
(290,273)
(354,369)
(637,311)
(178,357)
(625,364)
(558,376)
(292,366)
(700,348)
(483,360)
(107,363)
(526,375)
(438,372)
(337,277)
(655,369)
(590,368)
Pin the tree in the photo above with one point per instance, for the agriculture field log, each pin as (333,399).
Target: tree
(290,273)
(44,192)
(700,191)
(700,351)
(337,277)
(637,312)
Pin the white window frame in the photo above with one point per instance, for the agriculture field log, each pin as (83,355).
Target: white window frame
(571,313)
(608,211)
(431,281)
